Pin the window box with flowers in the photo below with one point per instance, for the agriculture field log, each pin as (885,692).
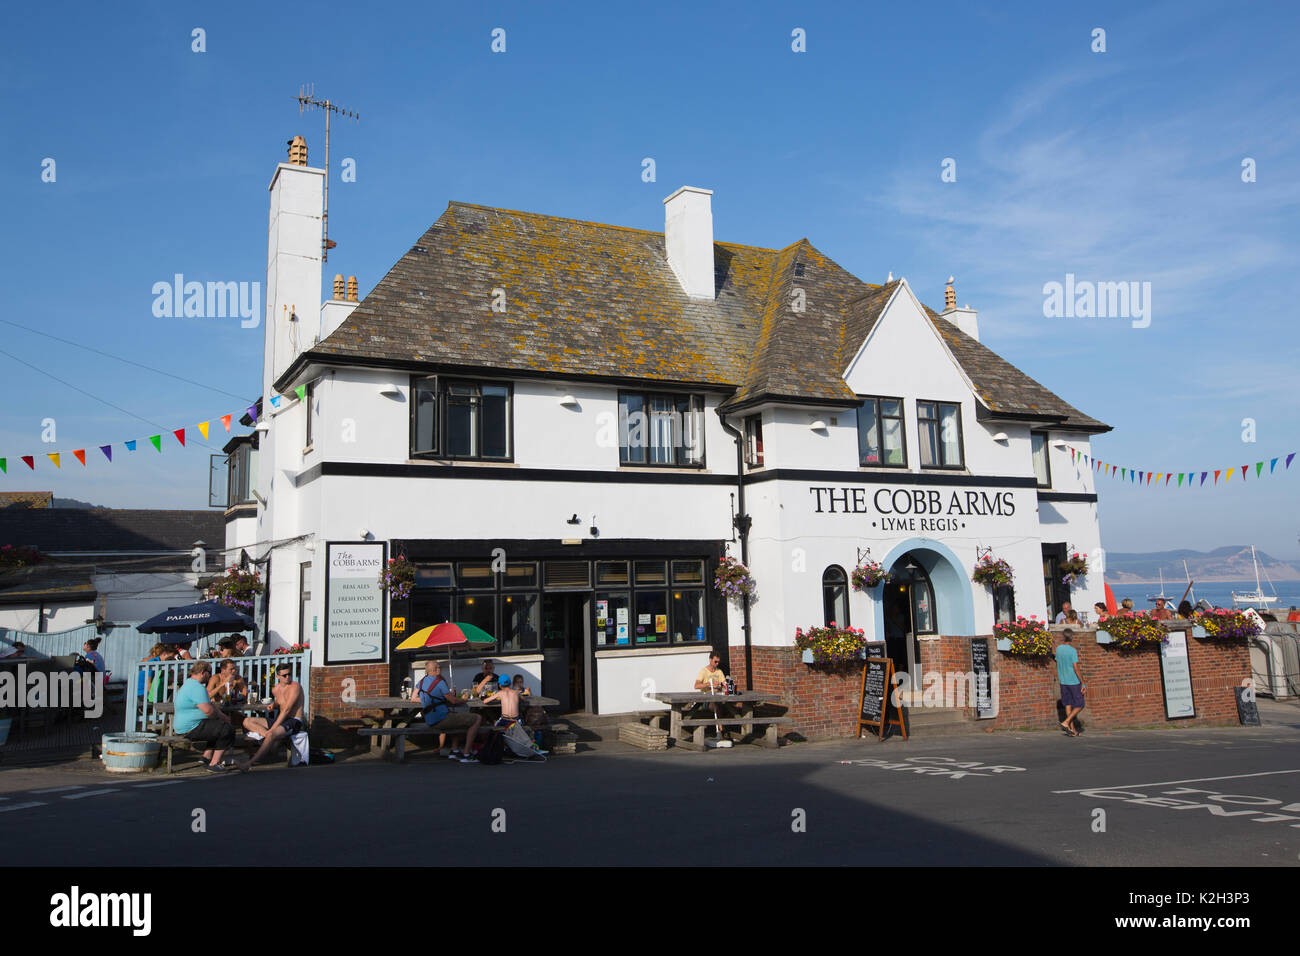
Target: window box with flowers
(237,589)
(868,575)
(291,649)
(397,578)
(1128,630)
(992,572)
(1026,637)
(733,579)
(831,644)
(1224,624)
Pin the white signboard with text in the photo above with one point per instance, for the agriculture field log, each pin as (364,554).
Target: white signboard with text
(355,607)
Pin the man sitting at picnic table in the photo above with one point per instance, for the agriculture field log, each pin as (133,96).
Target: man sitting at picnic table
(711,678)
(284,719)
(199,720)
(434,695)
(509,695)
(479,685)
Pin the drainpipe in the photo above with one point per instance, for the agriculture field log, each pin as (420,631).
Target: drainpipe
(742,522)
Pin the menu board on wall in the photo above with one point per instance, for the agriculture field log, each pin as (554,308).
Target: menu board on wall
(979,666)
(354,603)
(1176,675)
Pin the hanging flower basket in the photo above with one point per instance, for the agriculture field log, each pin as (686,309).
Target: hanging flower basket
(830,644)
(868,574)
(1073,568)
(237,589)
(397,578)
(1224,624)
(1129,630)
(1026,637)
(733,579)
(991,572)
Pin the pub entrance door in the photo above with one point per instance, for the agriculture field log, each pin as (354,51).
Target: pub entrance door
(908,600)
(565,640)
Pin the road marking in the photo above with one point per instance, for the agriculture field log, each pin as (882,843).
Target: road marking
(163,783)
(90,793)
(59,789)
(1166,783)
(21,806)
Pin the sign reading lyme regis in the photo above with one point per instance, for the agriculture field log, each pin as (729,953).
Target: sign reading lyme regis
(914,509)
(354,612)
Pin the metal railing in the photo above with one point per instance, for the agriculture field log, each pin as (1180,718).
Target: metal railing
(155,682)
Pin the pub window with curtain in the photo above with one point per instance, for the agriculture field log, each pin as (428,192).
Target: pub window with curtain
(880,433)
(1042,468)
(660,429)
(939,427)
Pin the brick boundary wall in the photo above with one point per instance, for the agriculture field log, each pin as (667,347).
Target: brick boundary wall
(1124,687)
(327,705)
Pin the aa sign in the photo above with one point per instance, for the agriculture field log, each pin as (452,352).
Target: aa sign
(399,625)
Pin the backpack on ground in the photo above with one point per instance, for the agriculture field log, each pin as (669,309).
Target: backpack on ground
(493,750)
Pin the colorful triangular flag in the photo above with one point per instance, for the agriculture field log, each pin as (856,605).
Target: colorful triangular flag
(1259,467)
(156,441)
(1167,477)
(1180,479)
(130,445)
(203,430)
(1203,474)
(301,392)
(81,456)
(225,420)
(31,462)
(1216,475)
(54,457)
(275,401)
(1288,460)
(180,435)
(252,413)
(4,466)
(1271,465)
(107,450)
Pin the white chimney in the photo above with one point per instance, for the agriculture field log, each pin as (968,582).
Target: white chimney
(688,239)
(965,318)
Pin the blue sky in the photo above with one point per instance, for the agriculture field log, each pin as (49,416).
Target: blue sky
(1115,166)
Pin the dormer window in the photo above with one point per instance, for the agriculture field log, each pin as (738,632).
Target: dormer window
(1042,467)
(939,426)
(880,433)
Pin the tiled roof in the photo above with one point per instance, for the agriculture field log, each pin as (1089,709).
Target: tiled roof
(110,529)
(30,499)
(585,299)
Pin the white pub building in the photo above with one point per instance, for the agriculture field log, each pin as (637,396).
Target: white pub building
(566,425)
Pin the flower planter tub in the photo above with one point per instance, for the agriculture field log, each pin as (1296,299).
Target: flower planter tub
(1103,637)
(1004,643)
(1198,631)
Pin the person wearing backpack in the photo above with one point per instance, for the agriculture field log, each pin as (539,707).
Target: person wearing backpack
(434,697)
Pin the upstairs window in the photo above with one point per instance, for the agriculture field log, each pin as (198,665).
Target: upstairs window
(880,433)
(658,428)
(939,426)
(452,418)
(754,441)
(1042,467)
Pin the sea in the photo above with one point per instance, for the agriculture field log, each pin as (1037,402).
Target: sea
(1218,593)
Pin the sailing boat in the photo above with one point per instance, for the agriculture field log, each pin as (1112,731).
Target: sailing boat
(1257,597)
(1152,597)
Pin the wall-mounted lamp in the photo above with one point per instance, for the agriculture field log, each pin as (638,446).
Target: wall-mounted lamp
(364,534)
(262,426)
(818,426)
(574,520)
(389,388)
(569,401)
(1001,437)
(1058,443)
(595,532)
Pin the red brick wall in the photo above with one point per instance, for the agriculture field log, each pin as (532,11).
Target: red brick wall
(1124,688)
(327,688)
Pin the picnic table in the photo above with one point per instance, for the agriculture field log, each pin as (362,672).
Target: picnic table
(689,731)
(397,714)
(172,740)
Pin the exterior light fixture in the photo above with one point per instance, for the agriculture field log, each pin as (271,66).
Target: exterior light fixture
(1058,443)
(262,426)
(389,388)
(568,401)
(818,426)
(1002,437)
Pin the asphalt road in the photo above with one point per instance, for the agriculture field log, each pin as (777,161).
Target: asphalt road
(1170,798)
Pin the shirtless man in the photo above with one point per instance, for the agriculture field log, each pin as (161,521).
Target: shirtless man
(285,718)
(509,695)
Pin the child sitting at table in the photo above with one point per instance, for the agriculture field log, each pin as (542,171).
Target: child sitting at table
(508,694)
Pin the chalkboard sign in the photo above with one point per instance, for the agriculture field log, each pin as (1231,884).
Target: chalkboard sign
(876,649)
(979,666)
(1247,710)
(1176,676)
(875,708)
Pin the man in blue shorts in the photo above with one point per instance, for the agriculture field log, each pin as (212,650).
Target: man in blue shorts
(1072,685)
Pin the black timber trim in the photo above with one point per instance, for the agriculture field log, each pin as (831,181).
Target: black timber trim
(892,478)
(1066,496)
(531,549)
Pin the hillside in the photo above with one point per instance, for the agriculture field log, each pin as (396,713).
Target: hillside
(1231,563)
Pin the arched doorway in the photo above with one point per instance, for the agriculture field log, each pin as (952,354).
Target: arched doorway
(910,612)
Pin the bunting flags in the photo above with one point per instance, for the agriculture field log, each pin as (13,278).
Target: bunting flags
(204,427)
(1142,477)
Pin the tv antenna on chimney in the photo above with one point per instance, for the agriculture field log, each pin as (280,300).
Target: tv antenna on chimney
(306,101)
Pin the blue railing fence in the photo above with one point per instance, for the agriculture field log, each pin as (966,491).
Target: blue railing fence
(153,682)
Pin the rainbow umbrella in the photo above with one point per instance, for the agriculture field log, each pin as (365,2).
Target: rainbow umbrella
(448,633)
(444,635)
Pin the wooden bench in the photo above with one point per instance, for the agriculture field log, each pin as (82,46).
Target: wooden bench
(699,725)
(420,729)
(172,742)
